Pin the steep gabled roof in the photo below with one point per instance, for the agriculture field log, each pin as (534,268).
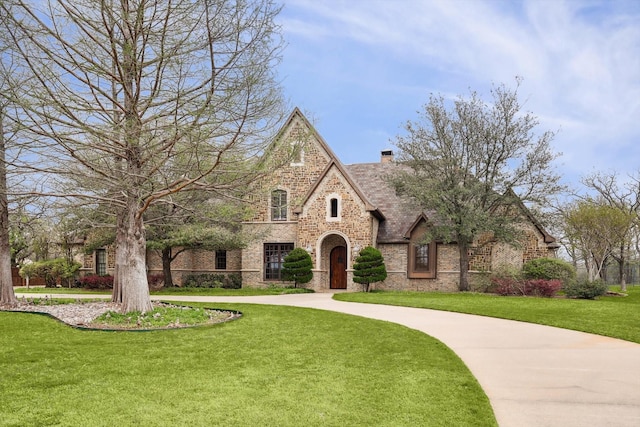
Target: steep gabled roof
(334,162)
(422,217)
(398,211)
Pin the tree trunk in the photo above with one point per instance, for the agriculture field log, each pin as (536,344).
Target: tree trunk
(622,268)
(133,272)
(463,247)
(121,258)
(7,296)
(166,267)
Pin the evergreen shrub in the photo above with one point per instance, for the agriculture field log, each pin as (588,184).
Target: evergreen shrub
(297,267)
(584,289)
(369,268)
(95,282)
(549,269)
(213,280)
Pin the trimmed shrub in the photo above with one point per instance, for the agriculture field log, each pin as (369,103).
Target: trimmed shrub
(369,268)
(549,269)
(95,282)
(584,289)
(297,267)
(213,280)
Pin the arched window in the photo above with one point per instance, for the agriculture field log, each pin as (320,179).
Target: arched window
(278,205)
(334,205)
(334,208)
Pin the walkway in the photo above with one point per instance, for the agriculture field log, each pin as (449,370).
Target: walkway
(534,376)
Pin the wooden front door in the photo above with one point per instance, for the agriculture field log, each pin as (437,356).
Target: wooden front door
(338,268)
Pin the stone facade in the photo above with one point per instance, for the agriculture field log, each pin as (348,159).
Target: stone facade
(333,211)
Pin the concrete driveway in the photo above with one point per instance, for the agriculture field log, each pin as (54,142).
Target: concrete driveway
(534,376)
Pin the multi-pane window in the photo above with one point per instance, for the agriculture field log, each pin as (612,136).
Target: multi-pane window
(279,205)
(221,260)
(101,262)
(274,254)
(421,258)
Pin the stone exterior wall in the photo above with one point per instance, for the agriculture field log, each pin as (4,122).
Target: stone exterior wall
(396,261)
(253,254)
(194,262)
(295,178)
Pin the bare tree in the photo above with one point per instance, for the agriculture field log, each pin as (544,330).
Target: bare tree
(472,164)
(7,295)
(141,99)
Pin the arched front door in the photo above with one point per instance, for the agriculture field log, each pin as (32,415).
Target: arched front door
(338,268)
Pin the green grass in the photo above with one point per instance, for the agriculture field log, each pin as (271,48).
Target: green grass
(276,366)
(164,316)
(174,291)
(617,317)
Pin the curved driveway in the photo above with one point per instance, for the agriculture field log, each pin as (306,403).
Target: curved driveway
(534,376)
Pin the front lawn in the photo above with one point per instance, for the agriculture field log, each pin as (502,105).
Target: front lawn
(613,316)
(278,366)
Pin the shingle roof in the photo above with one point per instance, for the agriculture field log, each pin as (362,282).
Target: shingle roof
(398,213)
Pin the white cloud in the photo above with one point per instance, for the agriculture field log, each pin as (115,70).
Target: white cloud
(580,61)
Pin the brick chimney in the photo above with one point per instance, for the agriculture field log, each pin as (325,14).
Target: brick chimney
(386,156)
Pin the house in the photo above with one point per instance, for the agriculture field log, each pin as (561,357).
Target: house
(334,210)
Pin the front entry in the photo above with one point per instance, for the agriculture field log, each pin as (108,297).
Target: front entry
(338,268)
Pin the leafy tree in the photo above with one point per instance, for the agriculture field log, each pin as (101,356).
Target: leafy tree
(140,100)
(297,267)
(51,270)
(596,229)
(626,198)
(473,164)
(369,268)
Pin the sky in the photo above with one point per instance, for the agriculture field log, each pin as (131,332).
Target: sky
(360,69)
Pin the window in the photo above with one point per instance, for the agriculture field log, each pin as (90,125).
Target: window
(334,208)
(101,262)
(274,254)
(334,203)
(422,260)
(221,260)
(279,205)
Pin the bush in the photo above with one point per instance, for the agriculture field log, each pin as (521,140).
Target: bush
(507,285)
(297,267)
(510,285)
(155,280)
(542,287)
(549,269)
(369,267)
(95,282)
(584,289)
(213,280)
